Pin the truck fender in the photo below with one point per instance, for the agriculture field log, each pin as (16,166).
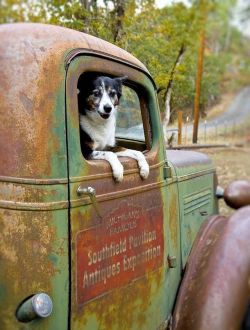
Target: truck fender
(215,290)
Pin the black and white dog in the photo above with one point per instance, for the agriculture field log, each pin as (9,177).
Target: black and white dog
(98,102)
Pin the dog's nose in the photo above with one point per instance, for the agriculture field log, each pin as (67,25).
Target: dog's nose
(107,108)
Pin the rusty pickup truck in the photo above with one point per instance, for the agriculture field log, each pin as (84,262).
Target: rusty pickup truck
(81,251)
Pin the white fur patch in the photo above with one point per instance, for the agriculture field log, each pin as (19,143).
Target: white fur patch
(101,131)
(137,155)
(105,100)
(112,158)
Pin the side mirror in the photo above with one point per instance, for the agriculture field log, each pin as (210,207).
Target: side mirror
(236,195)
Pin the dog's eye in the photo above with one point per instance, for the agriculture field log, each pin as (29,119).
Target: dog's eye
(96,93)
(112,93)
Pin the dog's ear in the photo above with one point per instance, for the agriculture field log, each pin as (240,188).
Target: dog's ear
(122,79)
(119,81)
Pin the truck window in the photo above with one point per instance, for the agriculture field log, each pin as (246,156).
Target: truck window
(132,119)
(129,123)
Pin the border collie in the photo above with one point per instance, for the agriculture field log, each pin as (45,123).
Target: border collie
(98,102)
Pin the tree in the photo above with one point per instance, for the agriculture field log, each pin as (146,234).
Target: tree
(203,8)
(156,36)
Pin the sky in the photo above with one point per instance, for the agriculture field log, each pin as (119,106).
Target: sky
(245,27)
(241,4)
(162,3)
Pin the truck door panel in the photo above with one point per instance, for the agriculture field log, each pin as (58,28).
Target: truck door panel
(118,256)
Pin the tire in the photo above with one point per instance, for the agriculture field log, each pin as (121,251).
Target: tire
(246,322)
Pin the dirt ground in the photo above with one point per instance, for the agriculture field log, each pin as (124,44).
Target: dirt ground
(233,160)
(232,164)
(219,108)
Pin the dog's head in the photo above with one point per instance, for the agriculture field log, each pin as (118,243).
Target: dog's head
(100,96)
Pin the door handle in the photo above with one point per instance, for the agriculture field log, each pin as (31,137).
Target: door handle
(91,192)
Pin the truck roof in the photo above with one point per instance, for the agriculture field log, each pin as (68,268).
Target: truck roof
(51,38)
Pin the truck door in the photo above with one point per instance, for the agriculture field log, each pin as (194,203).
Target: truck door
(119,241)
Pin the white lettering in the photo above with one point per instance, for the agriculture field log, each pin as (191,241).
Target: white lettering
(100,275)
(141,239)
(107,252)
(130,263)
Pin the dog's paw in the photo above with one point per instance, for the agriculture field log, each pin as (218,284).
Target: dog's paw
(144,170)
(118,173)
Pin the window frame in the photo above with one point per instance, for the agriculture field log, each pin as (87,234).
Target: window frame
(143,108)
(137,79)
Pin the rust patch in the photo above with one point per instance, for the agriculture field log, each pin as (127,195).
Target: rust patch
(29,101)
(26,101)
(26,240)
(173,224)
(126,246)
(118,307)
(129,297)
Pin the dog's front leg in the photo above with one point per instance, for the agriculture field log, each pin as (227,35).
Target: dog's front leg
(113,160)
(137,155)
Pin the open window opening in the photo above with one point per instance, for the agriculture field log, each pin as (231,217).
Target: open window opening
(132,118)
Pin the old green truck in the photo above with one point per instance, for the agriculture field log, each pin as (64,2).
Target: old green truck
(81,251)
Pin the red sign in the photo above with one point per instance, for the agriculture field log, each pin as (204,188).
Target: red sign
(127,244)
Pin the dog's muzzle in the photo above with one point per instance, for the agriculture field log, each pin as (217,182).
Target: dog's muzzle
(104,115)
(107,110)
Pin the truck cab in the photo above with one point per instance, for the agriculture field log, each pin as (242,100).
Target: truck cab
(107,255)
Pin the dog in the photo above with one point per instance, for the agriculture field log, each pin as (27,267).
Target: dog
(98,101)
